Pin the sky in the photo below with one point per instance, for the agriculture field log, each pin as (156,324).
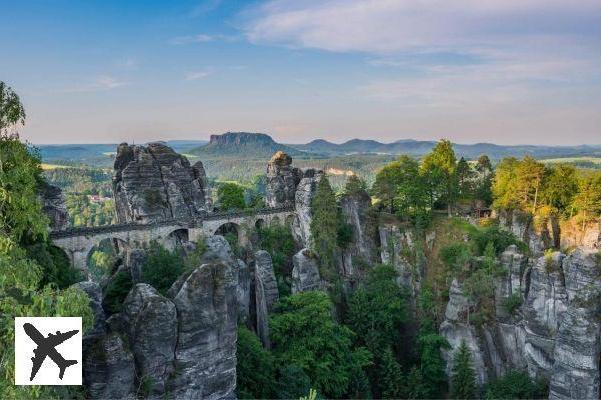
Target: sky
(501,71)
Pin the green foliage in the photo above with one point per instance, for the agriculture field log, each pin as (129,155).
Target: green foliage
(354,185)
(376,313)
(162,267)
(255,372)
(515,385)
(500,239)
(512,303)
(230,196)
(324,228)
(463,378)
(440,169)
(277,240)
(21,216)
(389,375)
(560,187)
(304,333)
(85,212)
(588,199)
(401,187)
(455,256)
(56,266)
(311,396)
(27,288)
(432,365)
(12,111)
(292,382)
(377,309)
(116,291)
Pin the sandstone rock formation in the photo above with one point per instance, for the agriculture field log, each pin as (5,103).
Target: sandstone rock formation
(179,346)
(266,293)
(150,321)
(53,205)
(301,228)
(554,335)
(305,273)
(282,180)
(357,213)
(153,183)
(205,355)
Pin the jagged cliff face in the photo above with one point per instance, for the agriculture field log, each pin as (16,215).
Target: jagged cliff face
(153,183)
(358,214)
(554,335)
(282,180)
(54,206)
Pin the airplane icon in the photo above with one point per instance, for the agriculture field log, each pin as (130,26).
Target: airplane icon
(46,347)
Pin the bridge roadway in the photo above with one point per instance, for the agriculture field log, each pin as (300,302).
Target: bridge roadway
(78,242)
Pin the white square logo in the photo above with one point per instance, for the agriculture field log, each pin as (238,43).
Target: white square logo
(48,351)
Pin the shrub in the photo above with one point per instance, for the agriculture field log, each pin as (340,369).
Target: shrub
(512,303)
(515,385)
(116,291)
(162,267)
(255,371)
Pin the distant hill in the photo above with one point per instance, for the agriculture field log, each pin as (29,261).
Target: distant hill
(243,145)
(421,147)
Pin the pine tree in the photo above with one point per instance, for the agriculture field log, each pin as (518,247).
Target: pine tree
(390,376)
(463,379)
(324,227)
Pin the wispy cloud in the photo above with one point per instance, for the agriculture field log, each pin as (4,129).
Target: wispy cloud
(197,75)
(102,83)
(128,63)
(205,7)
(201,38)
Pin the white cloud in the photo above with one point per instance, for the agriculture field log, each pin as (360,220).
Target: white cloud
(388,26)
(200,38)
(197,75)
(101,83)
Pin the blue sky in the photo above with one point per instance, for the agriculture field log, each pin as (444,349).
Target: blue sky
(503,71)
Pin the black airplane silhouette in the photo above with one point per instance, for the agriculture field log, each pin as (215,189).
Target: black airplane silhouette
(46,347)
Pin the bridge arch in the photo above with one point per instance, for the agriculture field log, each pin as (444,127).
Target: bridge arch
(275,221)
(176,238)
(104,256)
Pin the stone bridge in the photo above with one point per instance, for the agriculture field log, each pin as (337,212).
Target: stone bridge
(79,242)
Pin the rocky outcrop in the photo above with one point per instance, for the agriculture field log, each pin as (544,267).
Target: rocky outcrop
(538,233)
(179,346)
(282,180)
(108,367)
(305,273)
(301,227)
(358,215)
(134,262)
(574,234)
(398,248)
(54,206)
(575,373)
(205,354)
(150,321)
(153,183)
(266,293)
(456,329)
(94,293)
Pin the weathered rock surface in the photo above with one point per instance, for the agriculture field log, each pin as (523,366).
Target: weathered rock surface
(456,330)
(395,248)
(205,355)
(153,183)
(282,180)
(575,373)
(357,213)
(151,323)
(266,293)
(54,206)
(94,292)
(539,235)
(134,261)
(301,227)
(108,367)
(305,273)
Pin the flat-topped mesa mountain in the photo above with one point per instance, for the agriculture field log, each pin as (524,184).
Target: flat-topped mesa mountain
(154,183)
(242,145)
